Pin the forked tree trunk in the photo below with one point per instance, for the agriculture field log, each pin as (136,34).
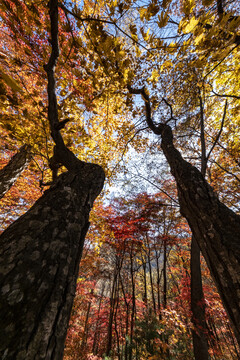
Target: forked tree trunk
(39,260)
(10,172)
(215,227)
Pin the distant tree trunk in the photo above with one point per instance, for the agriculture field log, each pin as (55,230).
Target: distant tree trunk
(133,313)
(200,344)
(164,274)
(150,273)
(86,327)
(10,172)
(39,261)
(145,298)
(158,285)
(97,330)
(199,331)
(111,312)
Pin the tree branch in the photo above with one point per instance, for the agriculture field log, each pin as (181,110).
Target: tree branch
(10,172)
(219,133)
(146,99)
(62,154)
(229,96)
(66,10)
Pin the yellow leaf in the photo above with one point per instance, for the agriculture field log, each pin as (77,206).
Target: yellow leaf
(199,38)
(163,19)
(10,81)
(188,7)
(142,13)
(154,77)
(188,26)
(166,65)
(147,35)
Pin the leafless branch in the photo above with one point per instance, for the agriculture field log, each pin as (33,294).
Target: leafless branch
(226,96)
(219,133)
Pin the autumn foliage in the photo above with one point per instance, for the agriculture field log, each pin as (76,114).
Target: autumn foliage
(172,62)
(132,304)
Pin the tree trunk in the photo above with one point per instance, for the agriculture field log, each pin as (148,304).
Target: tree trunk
(215,227)
(199,331)
(10,172)
(164,274)
(39,261)
(200,344)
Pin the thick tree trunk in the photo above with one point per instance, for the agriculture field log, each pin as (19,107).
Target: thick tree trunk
(10,172)
(215,227)
(39,260)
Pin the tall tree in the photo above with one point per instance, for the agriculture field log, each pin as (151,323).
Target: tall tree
(41,251)
(215,226)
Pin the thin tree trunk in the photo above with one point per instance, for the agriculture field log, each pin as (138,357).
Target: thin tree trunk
(158,286)
(85,331)
(145,298)
(111,312)
(200,345)
(133,304)
(10,172)
(150,274)
(199,332)
(39,261)
(126,320)
(96,333)
(164,274)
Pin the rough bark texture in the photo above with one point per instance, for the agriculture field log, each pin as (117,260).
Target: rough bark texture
(39,260)
(10,173)
(215,227)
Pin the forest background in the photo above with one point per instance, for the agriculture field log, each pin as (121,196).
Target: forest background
(143,290)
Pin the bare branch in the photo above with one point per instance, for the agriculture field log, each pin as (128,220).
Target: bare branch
(227,171)
(209,72)
(146,99)
(88,18)
(62,154)
(226,96)
(219,133)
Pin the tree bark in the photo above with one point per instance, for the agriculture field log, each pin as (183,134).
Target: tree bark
(41,251)
(200,344)
(39,260)
(199,331)
(215,226)
(10,172)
